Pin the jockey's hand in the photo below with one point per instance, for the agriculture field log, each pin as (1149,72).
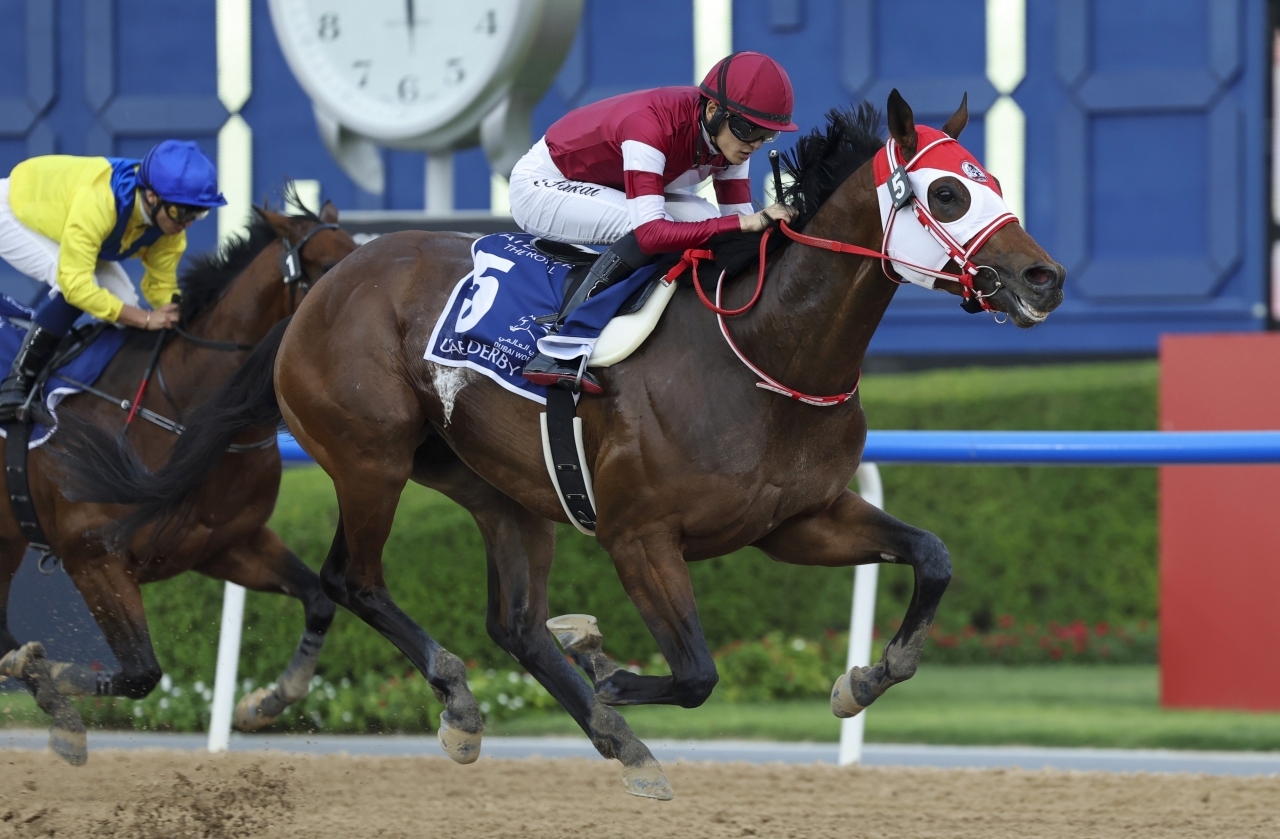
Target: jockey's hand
(166,317)
(756,222)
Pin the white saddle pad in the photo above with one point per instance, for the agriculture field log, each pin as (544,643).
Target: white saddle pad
(626,333)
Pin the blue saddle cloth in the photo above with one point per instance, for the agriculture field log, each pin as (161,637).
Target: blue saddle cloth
(488,325)
(84,368)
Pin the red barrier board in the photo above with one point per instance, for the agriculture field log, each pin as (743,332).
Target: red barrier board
(1220,528)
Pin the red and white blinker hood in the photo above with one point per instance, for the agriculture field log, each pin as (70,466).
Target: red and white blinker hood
(917,252)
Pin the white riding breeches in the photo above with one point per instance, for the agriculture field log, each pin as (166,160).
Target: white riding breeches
(545,203)
(36,255)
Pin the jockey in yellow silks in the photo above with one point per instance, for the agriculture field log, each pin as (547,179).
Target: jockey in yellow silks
(69,221)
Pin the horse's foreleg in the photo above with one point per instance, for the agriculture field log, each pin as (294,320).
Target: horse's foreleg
(519,547)
(264,563)
(27,665)
(115,601)
(656,578)
(853,532)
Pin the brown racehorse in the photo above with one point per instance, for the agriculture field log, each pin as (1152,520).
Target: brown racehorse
(690,459)
(230,301)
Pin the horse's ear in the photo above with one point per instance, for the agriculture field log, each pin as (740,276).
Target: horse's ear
(329,213)
(902,123)
(958,120)
(281,224)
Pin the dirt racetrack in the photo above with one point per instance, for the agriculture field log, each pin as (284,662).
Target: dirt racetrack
(163,794)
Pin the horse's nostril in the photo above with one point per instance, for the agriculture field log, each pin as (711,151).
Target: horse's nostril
(1039,275)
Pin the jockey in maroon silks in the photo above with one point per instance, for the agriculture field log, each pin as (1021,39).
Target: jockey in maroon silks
(624,172)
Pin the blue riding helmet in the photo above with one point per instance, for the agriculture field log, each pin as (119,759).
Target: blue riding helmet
(180,173)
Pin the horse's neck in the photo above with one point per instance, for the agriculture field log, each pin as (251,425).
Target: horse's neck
(820,308)
(254,302)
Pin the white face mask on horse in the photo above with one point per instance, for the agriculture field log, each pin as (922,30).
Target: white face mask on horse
(917,243)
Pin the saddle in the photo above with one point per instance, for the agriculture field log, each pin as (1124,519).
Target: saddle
(634,321)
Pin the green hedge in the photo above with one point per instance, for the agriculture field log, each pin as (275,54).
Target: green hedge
(1037,544)
(770,669)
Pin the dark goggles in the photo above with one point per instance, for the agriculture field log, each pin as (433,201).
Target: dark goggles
(748,132)
(183,213)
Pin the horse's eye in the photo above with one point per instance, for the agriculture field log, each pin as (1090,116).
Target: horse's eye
(946,196)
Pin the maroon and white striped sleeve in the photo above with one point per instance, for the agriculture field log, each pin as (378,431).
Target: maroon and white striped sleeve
(656,232)
(733,189)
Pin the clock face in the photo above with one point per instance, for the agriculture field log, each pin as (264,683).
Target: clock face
(396,69)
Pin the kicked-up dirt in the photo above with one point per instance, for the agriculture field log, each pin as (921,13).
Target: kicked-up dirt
(172,795)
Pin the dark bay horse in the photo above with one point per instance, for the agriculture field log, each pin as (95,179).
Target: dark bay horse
(230,301)
(690,459)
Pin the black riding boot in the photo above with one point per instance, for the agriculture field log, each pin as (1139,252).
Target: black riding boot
(621,260)
(36,350)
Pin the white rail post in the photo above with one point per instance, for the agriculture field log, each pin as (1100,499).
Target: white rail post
(862,619)
(224,680)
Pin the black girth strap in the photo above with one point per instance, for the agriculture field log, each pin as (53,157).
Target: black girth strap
(19,488)
(560,435)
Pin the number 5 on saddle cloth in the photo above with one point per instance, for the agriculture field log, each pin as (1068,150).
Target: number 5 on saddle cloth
(490,326)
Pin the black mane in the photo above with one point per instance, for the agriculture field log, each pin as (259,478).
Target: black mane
(820,162)
(207,276)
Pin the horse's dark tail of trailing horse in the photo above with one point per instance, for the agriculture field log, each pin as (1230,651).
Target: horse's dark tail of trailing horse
(103,469)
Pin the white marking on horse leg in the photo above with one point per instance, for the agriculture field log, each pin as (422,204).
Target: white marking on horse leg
(888,557)
(448,382)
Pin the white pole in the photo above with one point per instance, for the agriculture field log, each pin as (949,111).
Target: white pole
(224,680)
(862,619)
(438,197)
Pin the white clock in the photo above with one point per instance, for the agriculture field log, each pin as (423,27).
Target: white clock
(431,75)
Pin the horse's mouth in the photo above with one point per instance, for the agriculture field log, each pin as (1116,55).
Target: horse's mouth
(1030,312)
(1022,313)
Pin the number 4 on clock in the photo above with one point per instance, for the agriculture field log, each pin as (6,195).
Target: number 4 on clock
(489,23)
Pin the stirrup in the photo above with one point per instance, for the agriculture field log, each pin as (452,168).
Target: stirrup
(558,373)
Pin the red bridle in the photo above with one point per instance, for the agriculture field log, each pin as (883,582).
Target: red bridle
(962,255)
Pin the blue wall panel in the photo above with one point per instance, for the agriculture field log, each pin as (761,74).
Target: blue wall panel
(1145,150)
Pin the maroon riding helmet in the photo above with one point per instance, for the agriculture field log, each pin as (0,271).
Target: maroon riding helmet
(754,88)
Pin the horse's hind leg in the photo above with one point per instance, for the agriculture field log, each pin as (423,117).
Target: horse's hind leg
(263,563)
(354,412)
(352,577)
(519,547)
(853,532)
(653,571)
(10,560)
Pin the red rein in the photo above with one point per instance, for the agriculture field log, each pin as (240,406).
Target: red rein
(692,257)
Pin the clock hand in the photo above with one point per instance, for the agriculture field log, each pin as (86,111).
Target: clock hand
(408,9)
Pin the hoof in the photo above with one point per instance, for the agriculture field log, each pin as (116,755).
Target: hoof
(71,746)
(647,781)
(248,715)
(843,704)
(576,633)
(16,663)
(460,745)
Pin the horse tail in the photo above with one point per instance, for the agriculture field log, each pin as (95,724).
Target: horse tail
(103,469)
